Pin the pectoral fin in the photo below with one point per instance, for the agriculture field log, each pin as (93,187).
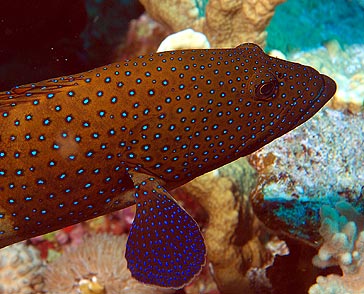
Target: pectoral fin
(165,245)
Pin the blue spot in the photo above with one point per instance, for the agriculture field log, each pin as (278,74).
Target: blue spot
(101,113)
(78,139)
(86,101)
(28,117)
(52,163)
(114,100)
(55,146)
(89,153)
(62,176)
(131,92)
(50,95)
(100,93)
(40,182)
(107,80)
(34,152)
(85,124)
(69,118)
(71,93)
(46,122)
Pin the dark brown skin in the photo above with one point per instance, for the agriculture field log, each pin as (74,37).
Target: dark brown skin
(74,148)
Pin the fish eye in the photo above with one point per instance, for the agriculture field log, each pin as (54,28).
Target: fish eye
(264,91)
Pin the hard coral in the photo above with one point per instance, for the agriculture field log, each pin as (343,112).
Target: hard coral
(343,234)
(96,266)
(318,163)
(226,23)
(20,270)
(232,235)
(186,39)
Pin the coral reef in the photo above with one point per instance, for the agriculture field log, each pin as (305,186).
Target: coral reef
(97,266)
(233,236)
(318,163)
(345,66)
(225,23)
(20,270)
(343,235)
(186,39)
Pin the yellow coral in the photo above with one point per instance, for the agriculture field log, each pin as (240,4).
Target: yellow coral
(226,23)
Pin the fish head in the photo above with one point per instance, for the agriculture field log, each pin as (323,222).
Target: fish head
(279,96)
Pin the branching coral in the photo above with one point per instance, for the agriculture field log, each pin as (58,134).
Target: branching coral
(96,266)
(343,235)
(226,23)
(20,270)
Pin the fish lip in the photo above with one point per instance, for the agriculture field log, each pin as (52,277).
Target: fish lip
(328,89)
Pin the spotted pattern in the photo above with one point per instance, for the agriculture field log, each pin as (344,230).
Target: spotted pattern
(71,147)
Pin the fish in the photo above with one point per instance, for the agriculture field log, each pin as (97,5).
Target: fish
(80,146)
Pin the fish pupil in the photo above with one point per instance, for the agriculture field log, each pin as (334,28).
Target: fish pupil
(266,90)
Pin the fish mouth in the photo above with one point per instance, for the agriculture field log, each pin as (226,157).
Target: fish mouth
(328,90)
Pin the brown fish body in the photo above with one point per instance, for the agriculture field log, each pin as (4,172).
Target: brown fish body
(72,148)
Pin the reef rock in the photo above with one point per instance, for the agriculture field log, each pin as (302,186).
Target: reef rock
(320,162)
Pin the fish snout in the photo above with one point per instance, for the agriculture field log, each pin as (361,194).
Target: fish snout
(329,88)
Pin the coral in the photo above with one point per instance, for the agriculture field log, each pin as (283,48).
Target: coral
(20,270)
(96,266)
(226,23)
(345,66)
(186,39)
(318,163)
(233,234)
(343,235)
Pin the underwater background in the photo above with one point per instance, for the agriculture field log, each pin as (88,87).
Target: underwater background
(286,219)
